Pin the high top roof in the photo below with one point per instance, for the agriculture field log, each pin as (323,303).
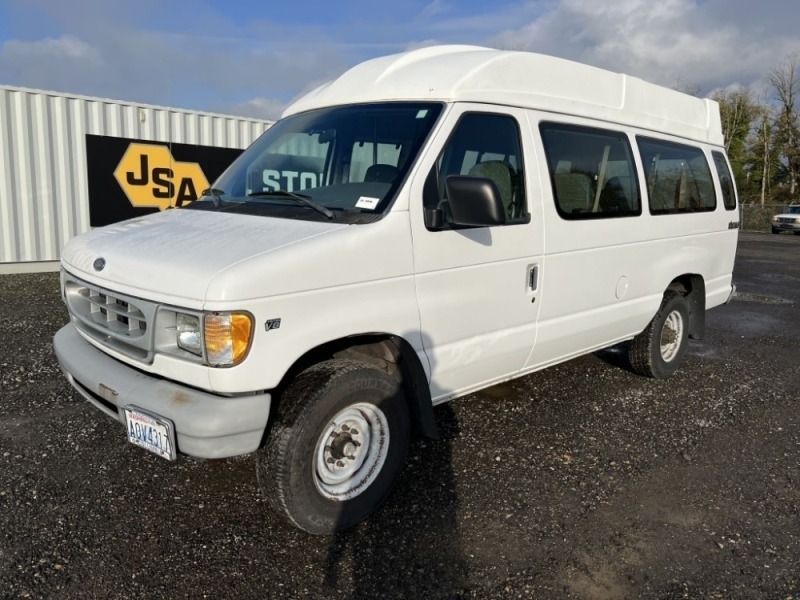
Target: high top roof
(523,79)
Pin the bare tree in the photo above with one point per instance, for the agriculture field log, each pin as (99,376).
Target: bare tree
(764,146)
(786,83)
(687,87)
(760,152)
(740,116)
(737,111)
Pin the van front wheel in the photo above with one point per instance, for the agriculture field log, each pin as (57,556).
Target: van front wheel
(658,351)
(339,442)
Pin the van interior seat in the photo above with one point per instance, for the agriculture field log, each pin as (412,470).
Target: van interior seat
(381,173)
(613,198)
(499,172)
(574,192)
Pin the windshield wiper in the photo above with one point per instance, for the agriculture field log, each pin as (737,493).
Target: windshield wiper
(299,197)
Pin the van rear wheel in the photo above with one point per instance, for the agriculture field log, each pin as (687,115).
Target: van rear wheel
(339,442)
(658,351)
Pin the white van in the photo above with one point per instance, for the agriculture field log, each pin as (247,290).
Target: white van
(426,225)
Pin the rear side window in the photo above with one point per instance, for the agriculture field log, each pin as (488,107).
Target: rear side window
(678,177)
(725,180)
(591,172)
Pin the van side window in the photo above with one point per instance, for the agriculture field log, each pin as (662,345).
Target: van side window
(482,145)
(591,172)
(725,180)
(678,177)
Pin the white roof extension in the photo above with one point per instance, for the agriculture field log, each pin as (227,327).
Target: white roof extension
(524,79)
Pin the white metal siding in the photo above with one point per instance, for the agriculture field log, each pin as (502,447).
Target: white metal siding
(43,172)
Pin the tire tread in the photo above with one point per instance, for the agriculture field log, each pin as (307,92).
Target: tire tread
(641,352)
(297,405)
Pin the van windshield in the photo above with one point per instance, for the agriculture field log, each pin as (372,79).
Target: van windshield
(344,163)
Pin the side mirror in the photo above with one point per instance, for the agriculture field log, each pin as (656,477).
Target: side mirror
(474,201)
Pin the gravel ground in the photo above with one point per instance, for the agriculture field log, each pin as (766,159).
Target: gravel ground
(581,481)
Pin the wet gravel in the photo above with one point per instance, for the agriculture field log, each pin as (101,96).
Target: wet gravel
(583,480)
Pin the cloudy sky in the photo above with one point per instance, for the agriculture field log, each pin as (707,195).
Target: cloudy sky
(251,58)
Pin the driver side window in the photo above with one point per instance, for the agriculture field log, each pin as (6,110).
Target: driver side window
(487,146)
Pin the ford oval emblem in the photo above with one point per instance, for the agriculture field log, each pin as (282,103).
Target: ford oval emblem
(99,264)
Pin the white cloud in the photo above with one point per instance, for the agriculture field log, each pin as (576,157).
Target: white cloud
(257,108)
(194,56)
(204,61)
(47,63)
(436,7)
(66,46)
(700,44)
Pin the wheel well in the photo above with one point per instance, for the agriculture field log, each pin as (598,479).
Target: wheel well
(390,353)
(693,288)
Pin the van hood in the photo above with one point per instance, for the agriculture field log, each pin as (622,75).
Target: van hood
(177,253)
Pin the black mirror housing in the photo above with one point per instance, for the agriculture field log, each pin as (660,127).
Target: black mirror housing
(434,218)
(474,201)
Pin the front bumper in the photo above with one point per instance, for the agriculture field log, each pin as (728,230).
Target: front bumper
(206,425)
(795,227)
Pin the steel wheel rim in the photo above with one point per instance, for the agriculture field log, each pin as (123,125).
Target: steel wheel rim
(671,335)
(351,451)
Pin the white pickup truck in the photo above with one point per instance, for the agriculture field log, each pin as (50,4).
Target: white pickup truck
(789,220)
(426,225)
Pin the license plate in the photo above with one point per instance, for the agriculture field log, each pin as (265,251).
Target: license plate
(150,432)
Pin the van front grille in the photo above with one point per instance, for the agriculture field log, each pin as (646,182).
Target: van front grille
(120,322)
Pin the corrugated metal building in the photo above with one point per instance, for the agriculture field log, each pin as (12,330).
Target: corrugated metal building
(43,163)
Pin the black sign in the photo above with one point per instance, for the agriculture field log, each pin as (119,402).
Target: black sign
(129,178)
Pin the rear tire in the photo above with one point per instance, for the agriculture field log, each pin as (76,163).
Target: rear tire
(337,447)
(658,351)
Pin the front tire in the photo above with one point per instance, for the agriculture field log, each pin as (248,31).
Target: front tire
(658,351)
(339,443)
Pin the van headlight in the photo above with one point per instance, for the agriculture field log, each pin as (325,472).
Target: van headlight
(223,340)
(188,333)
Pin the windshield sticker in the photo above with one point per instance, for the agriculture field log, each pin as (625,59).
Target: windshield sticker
(367,202)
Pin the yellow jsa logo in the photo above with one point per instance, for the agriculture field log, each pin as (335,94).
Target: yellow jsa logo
(151,178)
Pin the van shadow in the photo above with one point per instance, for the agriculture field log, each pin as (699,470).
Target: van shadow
(411,547)
(616,356)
